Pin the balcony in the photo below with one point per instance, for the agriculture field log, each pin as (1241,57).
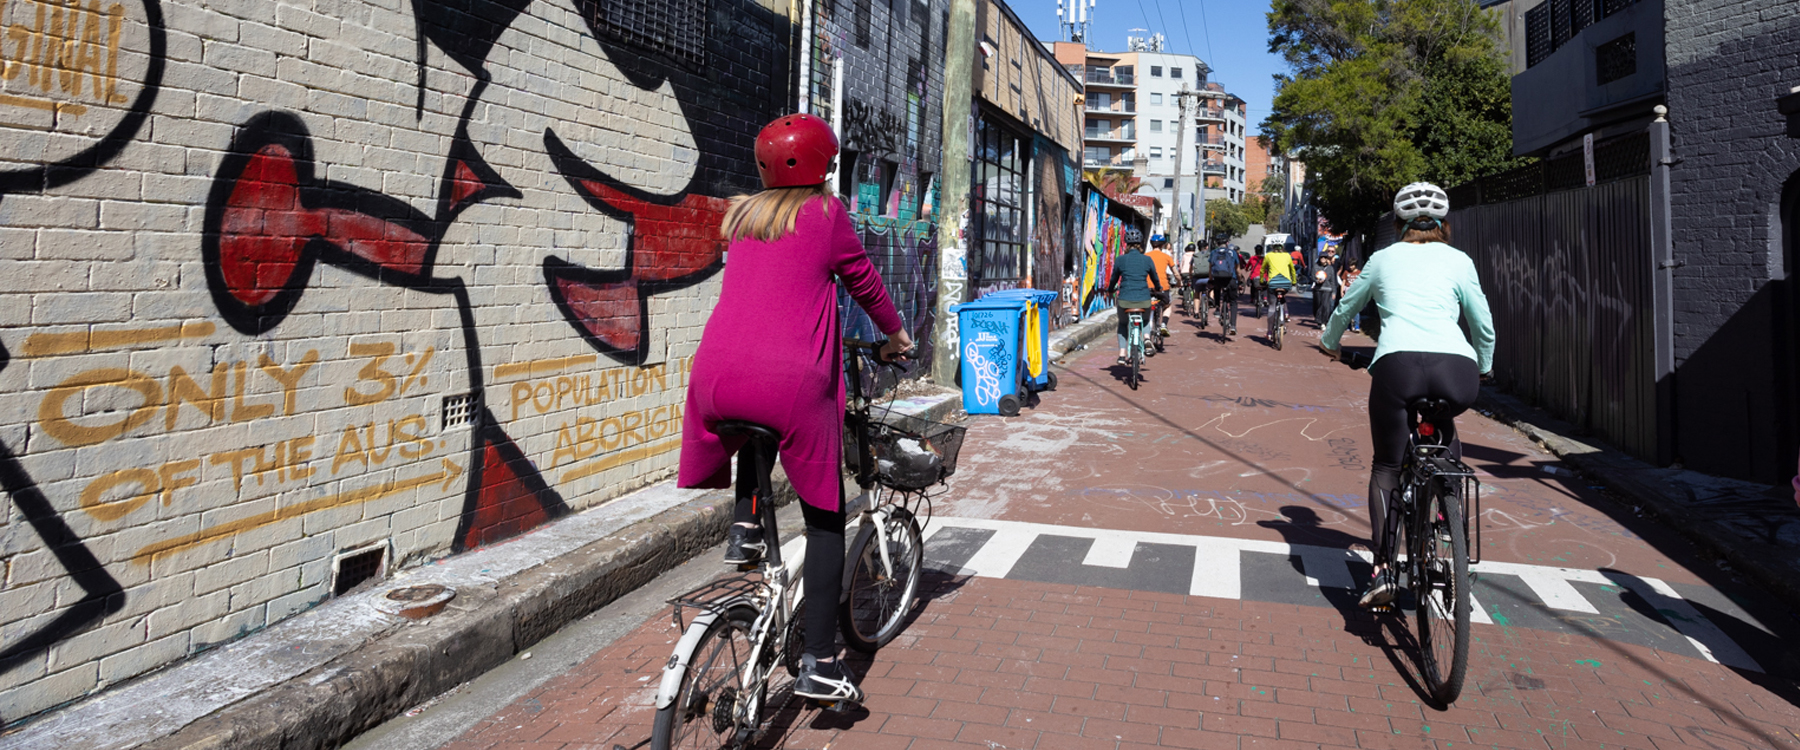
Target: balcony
(1214,167)
(1116,109)
(1116,162)
(1119,135)
(1103,77)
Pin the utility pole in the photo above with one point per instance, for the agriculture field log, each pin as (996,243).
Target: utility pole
(953,190)
(1181,100)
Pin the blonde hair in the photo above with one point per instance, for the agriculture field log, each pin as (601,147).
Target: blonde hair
(769,215)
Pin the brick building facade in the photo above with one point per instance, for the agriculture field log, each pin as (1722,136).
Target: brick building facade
(296,294)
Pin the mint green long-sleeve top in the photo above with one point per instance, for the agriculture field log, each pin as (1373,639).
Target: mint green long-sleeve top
(1420,291)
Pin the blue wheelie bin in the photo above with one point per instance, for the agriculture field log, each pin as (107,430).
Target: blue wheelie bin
(989,349)
(1034,349)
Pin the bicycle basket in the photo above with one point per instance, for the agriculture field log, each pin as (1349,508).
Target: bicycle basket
(912,453)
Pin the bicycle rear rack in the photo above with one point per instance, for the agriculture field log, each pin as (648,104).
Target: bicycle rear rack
(718,597)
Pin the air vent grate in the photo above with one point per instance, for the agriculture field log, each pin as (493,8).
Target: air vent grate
(352,568)
(459,411)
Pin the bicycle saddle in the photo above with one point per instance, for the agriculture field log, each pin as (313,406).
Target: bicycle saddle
(751,430)
(1430,409)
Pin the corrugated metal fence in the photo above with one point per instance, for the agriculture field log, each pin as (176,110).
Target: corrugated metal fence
(1568,276)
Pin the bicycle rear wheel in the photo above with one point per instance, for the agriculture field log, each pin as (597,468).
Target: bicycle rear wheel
(1137,364)
(1441,587)
(712,706)
(882,587)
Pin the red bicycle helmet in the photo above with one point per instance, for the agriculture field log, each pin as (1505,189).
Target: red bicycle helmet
(795,150)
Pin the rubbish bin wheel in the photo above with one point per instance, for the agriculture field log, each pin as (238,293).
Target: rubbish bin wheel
(1009,405)
(1050,386)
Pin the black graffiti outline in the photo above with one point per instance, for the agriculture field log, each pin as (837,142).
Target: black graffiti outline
(104,595)
(48,176)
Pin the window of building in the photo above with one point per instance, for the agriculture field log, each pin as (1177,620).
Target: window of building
(1174,72)
(997,197)
(1168,183)
(1156,152)
(1156,100)
(1156,126)
(1094,127)
(1156,71)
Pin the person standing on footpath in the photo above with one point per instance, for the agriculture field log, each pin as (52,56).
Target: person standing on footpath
(1325,285)
(771,354)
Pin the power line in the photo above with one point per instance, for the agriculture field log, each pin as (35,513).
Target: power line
(1204,27)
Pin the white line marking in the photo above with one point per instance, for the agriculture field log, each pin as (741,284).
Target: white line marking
(1706,637)
(1110,552)
(1476,613)
(997,558)
(1556,592)
(1217,572)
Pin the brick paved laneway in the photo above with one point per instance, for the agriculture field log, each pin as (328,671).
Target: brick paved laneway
(1171,567)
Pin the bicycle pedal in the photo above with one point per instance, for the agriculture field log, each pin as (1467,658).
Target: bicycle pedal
(748,567)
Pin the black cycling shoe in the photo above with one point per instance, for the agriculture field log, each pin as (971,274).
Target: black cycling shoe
(1383,590)
(830,681)
(744,546)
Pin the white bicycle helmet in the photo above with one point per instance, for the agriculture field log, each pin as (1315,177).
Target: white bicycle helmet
(1421,199)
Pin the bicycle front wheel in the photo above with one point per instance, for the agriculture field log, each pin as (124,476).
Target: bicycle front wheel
(713,705)
(884,581)
(1441,587)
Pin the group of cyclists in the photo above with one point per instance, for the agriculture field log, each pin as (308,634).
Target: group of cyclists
(1216,276)
(771,354)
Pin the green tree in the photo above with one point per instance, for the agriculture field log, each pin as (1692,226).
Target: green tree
(1224,216)
(1273,191)
(1255,211)
(1386,92)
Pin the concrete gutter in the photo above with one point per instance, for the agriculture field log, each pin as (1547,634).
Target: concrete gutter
(322,677)
(1752,526)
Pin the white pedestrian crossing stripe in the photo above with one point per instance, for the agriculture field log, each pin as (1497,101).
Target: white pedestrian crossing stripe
(1218,572)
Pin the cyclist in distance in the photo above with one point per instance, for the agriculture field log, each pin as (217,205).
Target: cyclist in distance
(1165,272)
(1420,286)
(771,354)
(1197,272)
(1224,272)
(1278,271)
(1254,275)
(1134,284)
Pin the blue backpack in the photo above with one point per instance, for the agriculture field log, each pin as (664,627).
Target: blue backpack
(1224,263)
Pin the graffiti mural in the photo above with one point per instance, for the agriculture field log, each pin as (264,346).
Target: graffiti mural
(435,309)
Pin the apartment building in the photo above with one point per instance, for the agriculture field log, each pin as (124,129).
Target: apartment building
(1222,136)
(1132,117)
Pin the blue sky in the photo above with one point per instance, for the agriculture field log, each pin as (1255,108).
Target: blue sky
(1238,31)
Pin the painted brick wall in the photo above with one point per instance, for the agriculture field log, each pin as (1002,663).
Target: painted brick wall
(285,280)
(890,112)
(1728,60)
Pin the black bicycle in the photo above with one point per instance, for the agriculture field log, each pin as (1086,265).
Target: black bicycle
(1224,302)
(1431,522)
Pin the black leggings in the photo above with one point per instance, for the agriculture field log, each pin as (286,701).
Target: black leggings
(1398,379)
(824,558)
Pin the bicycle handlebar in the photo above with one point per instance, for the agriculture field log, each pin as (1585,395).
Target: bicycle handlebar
(874,349)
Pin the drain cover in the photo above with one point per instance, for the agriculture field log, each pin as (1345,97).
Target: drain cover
(416,602)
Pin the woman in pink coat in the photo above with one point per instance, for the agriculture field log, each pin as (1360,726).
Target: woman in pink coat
(771,355)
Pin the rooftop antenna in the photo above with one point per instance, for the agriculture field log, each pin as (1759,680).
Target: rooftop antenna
(1073,16)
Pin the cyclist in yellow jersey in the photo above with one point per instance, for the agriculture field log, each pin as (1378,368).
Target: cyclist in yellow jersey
(1279,264)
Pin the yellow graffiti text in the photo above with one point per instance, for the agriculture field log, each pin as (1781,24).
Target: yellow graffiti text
(287,460)
(586,437)
(225,398)
(364,444)
(546,395)
(163,482)
(447,473)
(61,47)
(385,384)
